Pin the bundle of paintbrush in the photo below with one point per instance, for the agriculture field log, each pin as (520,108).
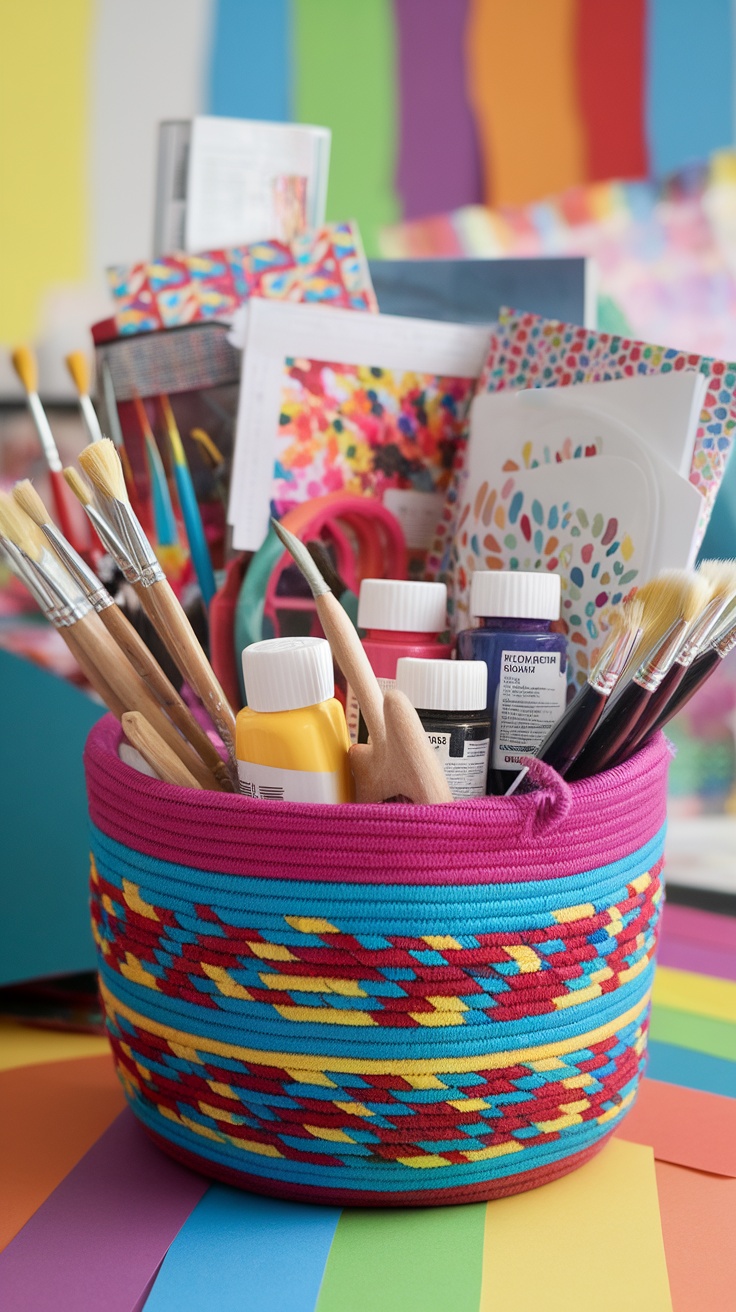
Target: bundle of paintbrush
(680,614)
(110,510)
(115,661)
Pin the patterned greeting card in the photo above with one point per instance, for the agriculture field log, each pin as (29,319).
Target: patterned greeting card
(326,265)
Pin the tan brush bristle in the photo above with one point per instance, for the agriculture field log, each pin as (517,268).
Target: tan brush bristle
(79,486)
(26,496)
(19,528)
(721,576)
(666,597)
(101,463)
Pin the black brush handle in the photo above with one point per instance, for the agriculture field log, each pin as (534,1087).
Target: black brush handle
(567,738)
(643,730)
(700,670)
(612,732)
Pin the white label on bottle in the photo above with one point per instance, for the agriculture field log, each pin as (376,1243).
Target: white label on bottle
(352,709)
(272,784)
(465,774)
(530,699)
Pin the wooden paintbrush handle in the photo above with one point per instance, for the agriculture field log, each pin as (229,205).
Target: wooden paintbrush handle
(94,676)
(145,664)
(130,691)
(173,627)
(154,750)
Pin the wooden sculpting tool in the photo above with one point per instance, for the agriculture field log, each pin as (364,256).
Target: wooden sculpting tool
(399,760)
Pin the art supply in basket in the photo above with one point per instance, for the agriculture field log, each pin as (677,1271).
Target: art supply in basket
(566,740)
(719,578)
(67,607)
(701,669)
(24,365)
(198,548)
(398,760)
(138,562)
(676,599)
(76,363)
(158,755)
(291,740)
(450,699)
(401,618)
(129,640)
(526,662)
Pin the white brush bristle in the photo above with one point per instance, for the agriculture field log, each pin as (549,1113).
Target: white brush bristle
(26,496)
(79,486)
(21,530)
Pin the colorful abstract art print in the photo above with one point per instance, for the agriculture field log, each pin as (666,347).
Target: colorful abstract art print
(362,430)
(529,351)
(322,266)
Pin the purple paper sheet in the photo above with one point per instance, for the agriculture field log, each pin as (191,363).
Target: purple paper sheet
(682,955)
(704,928)
(438,166)
(96,1243)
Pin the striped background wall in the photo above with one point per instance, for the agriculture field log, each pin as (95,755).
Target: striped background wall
(432,103)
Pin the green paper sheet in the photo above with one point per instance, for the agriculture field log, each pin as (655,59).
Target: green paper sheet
(419,1260)
(344,79)
(686,1030)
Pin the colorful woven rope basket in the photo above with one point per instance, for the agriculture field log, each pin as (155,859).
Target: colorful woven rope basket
(378,1005)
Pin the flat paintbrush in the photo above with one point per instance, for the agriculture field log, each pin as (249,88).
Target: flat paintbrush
(701,669)
(568,737)
(108,669)
(128,639)
(719,578)
(399,760)
(141,568)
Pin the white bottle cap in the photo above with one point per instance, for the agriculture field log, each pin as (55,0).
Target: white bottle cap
(402,604)
(282,674)
(510,594)
(443,685)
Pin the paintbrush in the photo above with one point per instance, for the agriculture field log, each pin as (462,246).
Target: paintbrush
(198,548)
(138,562)
(155,752)
(399,760)
(674,599)
(163,511)
(128,639)
(719,578)
(115,432)
(69,610)
(76,363)
(24,364)
(705,663)
(568,737)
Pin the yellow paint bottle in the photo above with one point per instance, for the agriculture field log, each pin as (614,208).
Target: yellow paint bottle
(291,740)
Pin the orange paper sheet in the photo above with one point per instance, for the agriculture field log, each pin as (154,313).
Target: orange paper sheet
(698,1213)
(49,1117)
(684,1126)
(523,91)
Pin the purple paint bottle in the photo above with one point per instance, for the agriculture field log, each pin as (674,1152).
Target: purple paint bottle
(526,661)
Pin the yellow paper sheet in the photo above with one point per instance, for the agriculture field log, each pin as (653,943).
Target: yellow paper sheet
(701,994)
(592,1239)
(24,1045)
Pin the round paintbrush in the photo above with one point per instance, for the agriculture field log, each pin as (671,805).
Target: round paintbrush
(102,466)
(213,773)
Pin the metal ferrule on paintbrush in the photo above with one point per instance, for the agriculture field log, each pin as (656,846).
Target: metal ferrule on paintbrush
(95,591)
(135,555)
(702,631)
(21,567)
(651,672)
(613,660)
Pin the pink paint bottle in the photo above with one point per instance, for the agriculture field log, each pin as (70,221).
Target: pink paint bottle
(401,618)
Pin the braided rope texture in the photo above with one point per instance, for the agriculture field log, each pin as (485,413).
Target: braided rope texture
(293,1024)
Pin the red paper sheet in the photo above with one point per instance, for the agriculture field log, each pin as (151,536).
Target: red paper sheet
(685,1127)
(698,1214)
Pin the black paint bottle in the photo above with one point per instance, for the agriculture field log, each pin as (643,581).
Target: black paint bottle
(450,700)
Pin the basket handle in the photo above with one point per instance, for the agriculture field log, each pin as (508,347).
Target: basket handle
(553,799)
